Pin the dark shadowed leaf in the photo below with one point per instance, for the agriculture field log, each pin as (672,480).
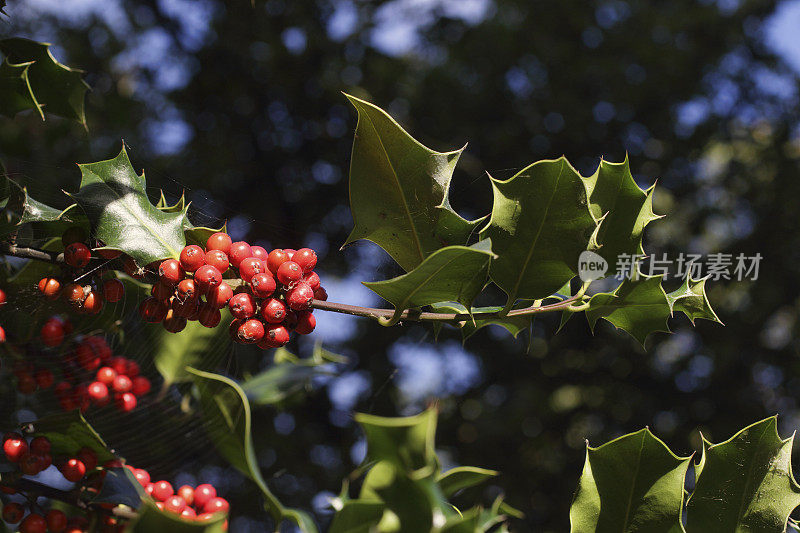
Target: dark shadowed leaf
(69,432)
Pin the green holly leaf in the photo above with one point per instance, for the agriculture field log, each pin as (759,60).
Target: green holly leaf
(410,501)
(456,273)
(691,300)
(114,199)
(624,208)
(282,381)
(15,89)
(407,442)
(633,483)
(399,190)
(540,224)
(463,477)
(150,519)
(178,207)
(468,522)
(68,433)
(638,305)
(196,346)
(357,516)
(17,207)
(226,411)
(57,88)
(120,487)
(746,483)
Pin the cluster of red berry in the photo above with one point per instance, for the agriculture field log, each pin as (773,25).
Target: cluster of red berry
(32,458)
(86,297)
(90,374)
(199,503)
(2,303)
(272,297)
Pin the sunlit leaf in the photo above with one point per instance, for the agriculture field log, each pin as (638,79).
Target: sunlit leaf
(632,484)
(399,190)
(746,483)
(113,197)
(691,300)
(407,442)
(463,477)
(540,224)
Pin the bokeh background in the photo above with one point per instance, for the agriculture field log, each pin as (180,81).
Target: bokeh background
(240,106)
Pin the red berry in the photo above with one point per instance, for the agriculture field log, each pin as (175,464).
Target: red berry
(126,402)
(290,252)
(273,311)
(171,272)
(131,368)
(44,378)
(275,259)
(233,328)
(240,251)
(31,464)
(122,383)
(220,296)
(26,384)
(53,332)
(249,267)
(187,493)
(153,310)
(263,285)
(93,303)
(217,505)
(119,364)
(187,291)
(209,316)
(192,258)
(312,279)
(188,514)
(73,470)
(40,445)
(299,298)
(174,323)
(162,291)
(219,241)
(86,357)
(242,305)
(56,521)
(33,523)
(50,288)
(106,375)
(88,457)
(141,386)
(207,277)
(203,494)
(98,392)
(74,294)
(13,512)
(182,309)
(162,490)
(250,331)
(305,323)
(174,504)
(320,294)
(113,290)
(218,259)
(306,258)
(142,476)
(259,252)
(14,446)
(2,334)
(277,335)
(289,273)
(62,389)
(77,255)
